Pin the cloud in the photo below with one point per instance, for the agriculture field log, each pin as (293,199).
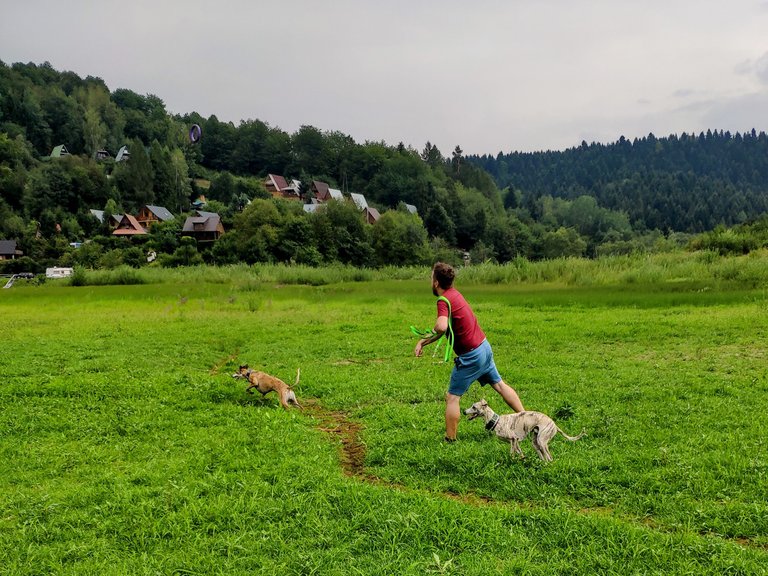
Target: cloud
(761,68)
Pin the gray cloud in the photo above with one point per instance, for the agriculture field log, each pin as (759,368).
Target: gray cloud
(489,75)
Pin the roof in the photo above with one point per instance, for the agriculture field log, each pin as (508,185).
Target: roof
(209,221)
(122,154)
(277,181)
(372,214)
(129,226)
(59,151)
(359,200)
(311,208)
(99,214)
(161,212)
(335,194)
(411,208)
(8,247)
(321,189)
(293,187)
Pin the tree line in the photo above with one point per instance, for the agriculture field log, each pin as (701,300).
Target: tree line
(479,207)
(687,183)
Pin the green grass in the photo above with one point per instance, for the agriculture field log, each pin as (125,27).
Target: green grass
(126,447)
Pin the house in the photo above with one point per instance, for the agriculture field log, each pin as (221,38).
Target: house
(148,215)
(60,151)
(412,209)
(336,194)
(128,226)
(293,190)
(359,200)
(275,184)
(371,215)
(320,191)
(114,220)
(123,155)
(102,155)
(310,208)
(279,187)
(8,250)
(203,227)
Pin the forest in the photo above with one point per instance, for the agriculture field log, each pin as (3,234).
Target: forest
(652,194)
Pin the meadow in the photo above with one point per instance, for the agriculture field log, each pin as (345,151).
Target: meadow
(127,448)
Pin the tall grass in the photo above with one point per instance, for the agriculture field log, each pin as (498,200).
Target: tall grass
(707,270)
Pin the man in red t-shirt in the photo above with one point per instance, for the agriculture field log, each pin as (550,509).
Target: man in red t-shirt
(474,356)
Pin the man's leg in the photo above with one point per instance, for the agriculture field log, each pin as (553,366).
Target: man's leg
(509,395)
(452,415)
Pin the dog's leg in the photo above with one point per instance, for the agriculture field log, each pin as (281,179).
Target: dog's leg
(514,446)
(542,449)
(538,445)
(543,438)
(283,394)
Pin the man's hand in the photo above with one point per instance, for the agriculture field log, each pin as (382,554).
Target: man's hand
(419,347)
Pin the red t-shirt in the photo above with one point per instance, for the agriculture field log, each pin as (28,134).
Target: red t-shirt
(467,332)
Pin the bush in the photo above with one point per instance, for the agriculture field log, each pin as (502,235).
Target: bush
(23,264)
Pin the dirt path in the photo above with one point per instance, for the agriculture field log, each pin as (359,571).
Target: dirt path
(337,424)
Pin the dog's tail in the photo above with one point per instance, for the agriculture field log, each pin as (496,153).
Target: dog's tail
(572,438)
(291,395)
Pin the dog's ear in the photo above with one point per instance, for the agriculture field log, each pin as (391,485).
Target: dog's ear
(243,366)
(484,402)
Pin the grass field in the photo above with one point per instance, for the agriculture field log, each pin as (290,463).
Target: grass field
(127,448)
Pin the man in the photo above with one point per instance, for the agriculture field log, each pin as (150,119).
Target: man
(474,356)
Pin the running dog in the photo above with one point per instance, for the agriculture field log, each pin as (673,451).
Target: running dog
(265,383)
(515,427)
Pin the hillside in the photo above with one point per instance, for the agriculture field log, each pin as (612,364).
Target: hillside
(62,139)
(686,183)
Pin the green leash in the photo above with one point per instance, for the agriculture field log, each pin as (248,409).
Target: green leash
(449,333)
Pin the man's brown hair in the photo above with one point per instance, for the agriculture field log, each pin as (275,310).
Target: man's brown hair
(444,274)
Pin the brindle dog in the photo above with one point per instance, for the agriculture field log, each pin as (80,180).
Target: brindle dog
(265,383)
(515,427)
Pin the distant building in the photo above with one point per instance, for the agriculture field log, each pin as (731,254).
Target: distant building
(371,215)
(320,191)
(148,215)
(9,251)
(359,200)
(278,187)
(275,184)
(129,226)
(203,227)
(336,194)
(60,151)
(114,220)
(123,155)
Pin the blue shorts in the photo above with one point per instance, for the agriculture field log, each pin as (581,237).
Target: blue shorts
(477,365)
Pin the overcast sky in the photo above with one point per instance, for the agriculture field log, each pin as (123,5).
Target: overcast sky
(488,75)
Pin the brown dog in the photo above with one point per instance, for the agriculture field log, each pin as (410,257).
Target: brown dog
(265,383)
